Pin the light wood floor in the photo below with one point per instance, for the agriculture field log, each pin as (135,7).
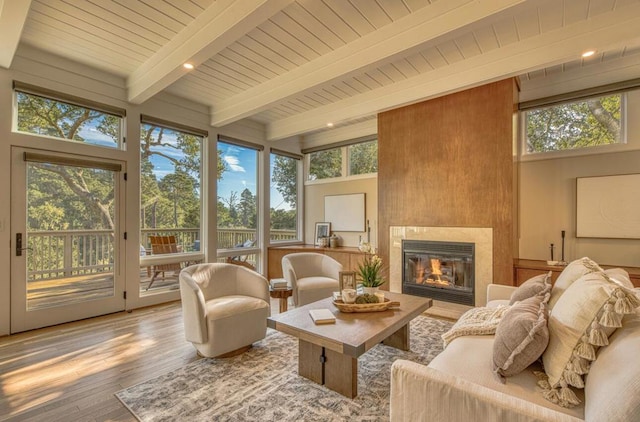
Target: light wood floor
(70,372)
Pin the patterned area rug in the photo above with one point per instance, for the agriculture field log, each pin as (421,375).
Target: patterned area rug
(263,385)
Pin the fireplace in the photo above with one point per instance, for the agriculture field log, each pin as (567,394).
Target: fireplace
(443,271)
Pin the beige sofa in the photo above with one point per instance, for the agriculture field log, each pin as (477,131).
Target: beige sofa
(459,385)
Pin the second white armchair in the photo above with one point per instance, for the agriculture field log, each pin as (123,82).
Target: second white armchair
(312,276)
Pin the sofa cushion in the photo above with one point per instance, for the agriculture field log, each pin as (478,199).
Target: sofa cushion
(531,287)
(571,273)
(521,336)
(469,358)
(588,312)
(612,391)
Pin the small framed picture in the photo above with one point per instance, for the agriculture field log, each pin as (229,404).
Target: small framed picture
(322,231)
(347,280)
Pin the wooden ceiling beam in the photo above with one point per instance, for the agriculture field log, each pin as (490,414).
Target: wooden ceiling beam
(393,40)
(611,29)
(220,25)
(13,14)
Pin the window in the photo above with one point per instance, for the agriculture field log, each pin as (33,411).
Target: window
(350,158)
(73,121)
(284,175)
(363,158)
(237,197)
(579,124)
(170,197)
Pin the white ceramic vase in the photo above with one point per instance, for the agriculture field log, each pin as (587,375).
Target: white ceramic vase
(370,290)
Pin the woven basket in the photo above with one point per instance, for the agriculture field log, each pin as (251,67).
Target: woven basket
(365,307)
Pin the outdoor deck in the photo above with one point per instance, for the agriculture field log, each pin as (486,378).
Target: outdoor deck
(64,291)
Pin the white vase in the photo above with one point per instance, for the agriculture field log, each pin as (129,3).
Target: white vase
(370,290)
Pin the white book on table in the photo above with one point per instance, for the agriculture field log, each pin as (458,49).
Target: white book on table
(322,316)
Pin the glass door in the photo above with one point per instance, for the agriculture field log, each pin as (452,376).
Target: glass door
(66,241)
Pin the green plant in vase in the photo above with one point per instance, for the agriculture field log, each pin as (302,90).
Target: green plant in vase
(370,272)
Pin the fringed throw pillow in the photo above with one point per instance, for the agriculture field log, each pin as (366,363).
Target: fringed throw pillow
(570,274)
(582,320)
(522,335)
(533,286)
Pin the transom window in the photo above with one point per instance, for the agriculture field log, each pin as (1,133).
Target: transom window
(572,125)
(64,117)
(350,158)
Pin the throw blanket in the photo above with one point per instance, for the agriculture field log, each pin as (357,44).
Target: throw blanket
(475,322)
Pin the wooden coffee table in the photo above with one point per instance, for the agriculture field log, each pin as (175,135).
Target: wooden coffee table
(328,354)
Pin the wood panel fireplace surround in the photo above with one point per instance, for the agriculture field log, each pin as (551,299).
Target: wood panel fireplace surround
(443,271)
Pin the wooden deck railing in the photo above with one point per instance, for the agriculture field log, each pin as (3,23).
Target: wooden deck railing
(66,253)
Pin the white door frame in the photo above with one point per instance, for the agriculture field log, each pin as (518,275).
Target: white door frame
(23,319)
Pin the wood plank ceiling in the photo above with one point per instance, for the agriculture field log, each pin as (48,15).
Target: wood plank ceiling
(296,65)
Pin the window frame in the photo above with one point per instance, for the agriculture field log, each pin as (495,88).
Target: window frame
(299,194)
(256,249)
(344,146)
(192,256)
(622,145)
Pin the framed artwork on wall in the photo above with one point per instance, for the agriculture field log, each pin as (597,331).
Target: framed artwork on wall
(606,206)
(323,230)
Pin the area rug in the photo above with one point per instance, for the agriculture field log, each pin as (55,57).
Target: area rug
(263,384)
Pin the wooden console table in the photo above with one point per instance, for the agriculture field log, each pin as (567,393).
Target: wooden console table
(348,256)
(524,269)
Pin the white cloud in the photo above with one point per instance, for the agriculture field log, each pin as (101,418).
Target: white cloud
(233,164)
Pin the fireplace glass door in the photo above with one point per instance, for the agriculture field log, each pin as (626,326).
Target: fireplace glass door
(440,270)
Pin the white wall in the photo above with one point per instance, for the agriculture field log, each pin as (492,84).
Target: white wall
(48,71)
(314,207)
(548,197)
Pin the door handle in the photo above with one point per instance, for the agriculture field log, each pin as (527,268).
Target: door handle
(19,247)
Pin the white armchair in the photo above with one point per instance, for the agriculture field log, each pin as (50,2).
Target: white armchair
(312,276)
(224,308)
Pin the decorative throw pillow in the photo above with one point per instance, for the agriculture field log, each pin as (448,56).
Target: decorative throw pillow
(620,276)
(571,273)
(521,336)
(584,317)
(533,286)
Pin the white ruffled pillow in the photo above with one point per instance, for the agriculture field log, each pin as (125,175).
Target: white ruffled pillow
(586,314)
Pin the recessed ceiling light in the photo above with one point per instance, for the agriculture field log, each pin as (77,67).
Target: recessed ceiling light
(188,66)
(329,124)
(589,53)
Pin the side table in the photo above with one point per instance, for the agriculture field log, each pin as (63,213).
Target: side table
(283,295)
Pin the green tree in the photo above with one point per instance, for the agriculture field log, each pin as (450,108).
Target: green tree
(180,189)
(325,164)
(231,209)
(283,219)
(591,122)
(285,178)
(158,206)
(363,158)
(53,118)
(247,211)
